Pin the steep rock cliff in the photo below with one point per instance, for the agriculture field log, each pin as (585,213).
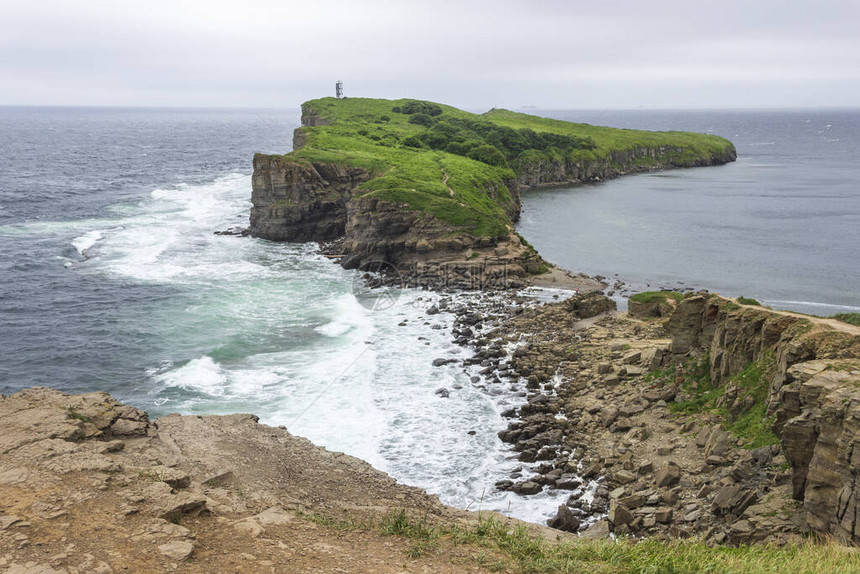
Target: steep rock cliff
(298,202)
(301,201)
(812,389)
(405,215)
(544,172)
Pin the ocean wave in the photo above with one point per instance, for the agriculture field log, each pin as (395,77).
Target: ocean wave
(203,375)
(350,315)
(86,241)
(848,308)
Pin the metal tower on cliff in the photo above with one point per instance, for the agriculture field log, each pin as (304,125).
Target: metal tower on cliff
(338,89)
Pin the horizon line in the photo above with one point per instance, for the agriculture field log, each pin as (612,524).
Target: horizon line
(524,108)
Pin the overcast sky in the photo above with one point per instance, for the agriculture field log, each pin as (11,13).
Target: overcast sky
(481,54)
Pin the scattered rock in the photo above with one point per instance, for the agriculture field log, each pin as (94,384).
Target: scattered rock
(624,477)
(668,476)
(565,520)
(178,550)
(619,515)
(526,487)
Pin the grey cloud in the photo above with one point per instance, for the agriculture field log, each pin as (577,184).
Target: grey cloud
(474,54)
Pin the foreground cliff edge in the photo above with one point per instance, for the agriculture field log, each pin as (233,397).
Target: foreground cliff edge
(417,184)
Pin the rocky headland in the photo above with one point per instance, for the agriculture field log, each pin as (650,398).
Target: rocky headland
(435,191)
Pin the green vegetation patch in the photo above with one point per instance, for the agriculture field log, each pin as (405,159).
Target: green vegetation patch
(73,413)
(851,318)
(682,148)
(748,301)
(695,383)
(754,425)
(750,421)
(457,165)
(657,296)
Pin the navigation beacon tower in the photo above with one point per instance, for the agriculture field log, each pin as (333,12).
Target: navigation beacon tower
(338,89)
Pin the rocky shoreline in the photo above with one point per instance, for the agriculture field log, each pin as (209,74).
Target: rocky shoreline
(606,415)
(89,485)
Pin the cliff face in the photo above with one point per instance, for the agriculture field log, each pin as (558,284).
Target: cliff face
(812,390)
(300,202)
(317,201)
(617,163)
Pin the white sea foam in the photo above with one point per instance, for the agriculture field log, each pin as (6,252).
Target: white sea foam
(170,237)
(202,375)
(84,242)
(846,308)
(349,316)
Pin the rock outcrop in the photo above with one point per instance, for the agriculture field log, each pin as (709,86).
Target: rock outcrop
(89,485)
(300,202)
(597,423)
(640,420)
(818,415)
(312,201)
(639,159)
(812,390)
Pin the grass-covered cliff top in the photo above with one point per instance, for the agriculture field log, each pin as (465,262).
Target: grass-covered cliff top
(457,165)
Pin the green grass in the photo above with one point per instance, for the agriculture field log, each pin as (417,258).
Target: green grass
(754,425)
(687,147)
(424,537)
(503,547)
(748,301)
(657,296)
(696,384)
(458,166)
(851,318)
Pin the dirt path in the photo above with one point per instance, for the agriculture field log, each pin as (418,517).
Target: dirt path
(445,177)
(832,323)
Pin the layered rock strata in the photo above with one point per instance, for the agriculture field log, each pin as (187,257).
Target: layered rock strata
(813,395)
(617,163)
(600,419)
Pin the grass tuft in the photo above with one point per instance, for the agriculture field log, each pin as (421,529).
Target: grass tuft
(851,318)
(73,413)
(513,548)
(657,296)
